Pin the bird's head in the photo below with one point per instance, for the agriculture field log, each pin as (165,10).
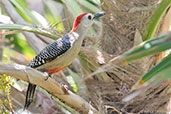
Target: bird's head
(85,20)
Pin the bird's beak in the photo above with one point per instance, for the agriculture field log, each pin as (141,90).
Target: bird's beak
(97,15)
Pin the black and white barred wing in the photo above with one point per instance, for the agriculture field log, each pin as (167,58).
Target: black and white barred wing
(51,52)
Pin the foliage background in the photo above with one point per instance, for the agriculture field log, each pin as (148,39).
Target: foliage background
(103,73)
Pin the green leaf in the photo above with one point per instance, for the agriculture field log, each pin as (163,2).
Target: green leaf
(164,64)
(41,31)
(21,11)
(163,75)
(157,76)
(158,44)
(155,19)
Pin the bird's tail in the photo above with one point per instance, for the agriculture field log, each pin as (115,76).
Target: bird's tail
(29,95)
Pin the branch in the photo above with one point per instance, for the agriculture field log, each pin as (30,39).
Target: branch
(38,78)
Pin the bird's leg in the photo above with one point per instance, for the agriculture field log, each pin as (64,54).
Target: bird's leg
(47,75)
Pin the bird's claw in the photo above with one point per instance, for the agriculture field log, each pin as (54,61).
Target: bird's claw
(47,75)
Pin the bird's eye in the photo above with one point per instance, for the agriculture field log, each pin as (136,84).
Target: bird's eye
(89,17)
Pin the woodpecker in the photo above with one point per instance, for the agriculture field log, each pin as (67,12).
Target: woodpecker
(60,53)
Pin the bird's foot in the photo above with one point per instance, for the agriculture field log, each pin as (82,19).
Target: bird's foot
(47,75)
(64,88)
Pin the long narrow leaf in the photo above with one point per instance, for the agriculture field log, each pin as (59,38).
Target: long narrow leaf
(156,18)
(163,75)
(165,64)
(158,44)
(21,11)
(41,31)
(159,67)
